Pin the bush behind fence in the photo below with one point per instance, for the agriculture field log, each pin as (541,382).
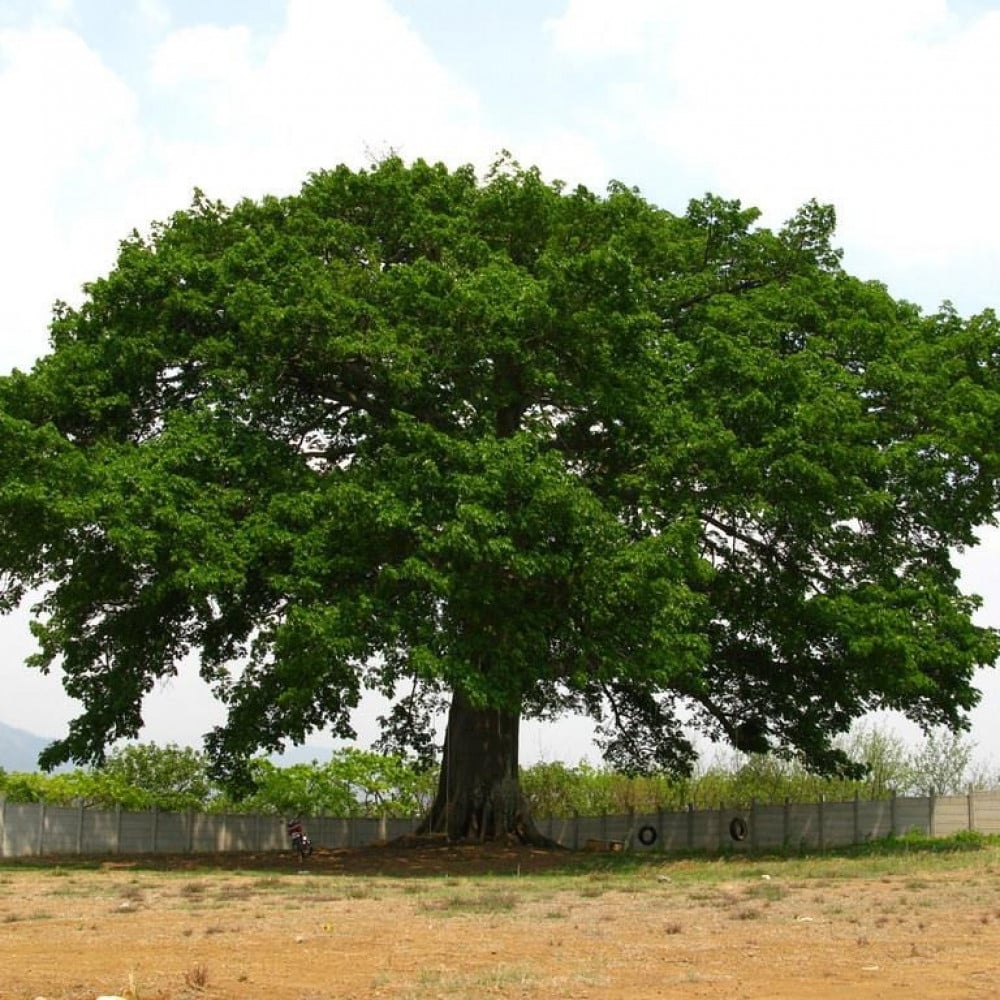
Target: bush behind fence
(37,830)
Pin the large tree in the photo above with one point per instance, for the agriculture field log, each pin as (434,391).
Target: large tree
(526,449)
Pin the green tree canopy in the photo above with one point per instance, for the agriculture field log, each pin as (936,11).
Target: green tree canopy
(142,775)
(532,449)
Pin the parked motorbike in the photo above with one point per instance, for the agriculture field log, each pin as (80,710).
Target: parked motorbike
(301,844)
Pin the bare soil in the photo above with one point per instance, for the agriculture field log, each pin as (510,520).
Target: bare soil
(419,922)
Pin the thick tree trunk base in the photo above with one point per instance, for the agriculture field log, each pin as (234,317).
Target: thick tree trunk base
(478,796)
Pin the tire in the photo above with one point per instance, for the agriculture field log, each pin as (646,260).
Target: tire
(738,828)
(647,836)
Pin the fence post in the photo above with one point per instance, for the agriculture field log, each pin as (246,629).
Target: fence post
(931,810)
(79,829)
(822,822)
(576,829)
(40,846)
(972,809)
(690,826)
(190,830)
(753,824)
(154,823)
(118,829)
(720,836)
(3,826)
(892,812)
(786,832)
(857,816)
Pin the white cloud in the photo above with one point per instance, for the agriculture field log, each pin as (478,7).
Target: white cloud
(152,15)
(58,103)
(597,28)
(191,56)
(339,79)
(886,109)
(69,125)
(222,109)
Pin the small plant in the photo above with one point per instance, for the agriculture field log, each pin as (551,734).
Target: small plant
(767,891)
(235,891)
(359,890)
(131,992)
(197,976)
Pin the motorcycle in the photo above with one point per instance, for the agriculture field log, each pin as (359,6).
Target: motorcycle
(301,844)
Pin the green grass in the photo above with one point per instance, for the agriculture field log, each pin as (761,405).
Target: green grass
(911,854)
(889,856)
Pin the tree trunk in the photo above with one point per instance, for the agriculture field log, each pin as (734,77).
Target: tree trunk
(478,795)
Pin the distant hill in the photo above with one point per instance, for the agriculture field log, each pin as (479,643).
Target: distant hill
(19,749)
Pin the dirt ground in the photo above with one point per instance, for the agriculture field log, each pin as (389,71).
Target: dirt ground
(417,923)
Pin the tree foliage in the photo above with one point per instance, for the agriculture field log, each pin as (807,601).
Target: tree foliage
(354,783)
(144,776)
(549,450)
(351,783)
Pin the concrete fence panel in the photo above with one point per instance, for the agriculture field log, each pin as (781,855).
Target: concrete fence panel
(803,827)
(874,820)
(22,829)
(34,829)
(171,833)
(705,827)
(769,827)
(986,810)
(675,830)
(951,814)
(913,815)
(838,823)
(100,832)
(60,830)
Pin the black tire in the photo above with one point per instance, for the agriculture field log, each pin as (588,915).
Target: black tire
(647,836)
(738,828)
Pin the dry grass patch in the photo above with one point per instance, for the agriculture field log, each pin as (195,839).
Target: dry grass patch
(482,902)
(197,976)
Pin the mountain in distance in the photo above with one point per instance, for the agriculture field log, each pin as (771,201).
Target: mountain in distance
(19,749)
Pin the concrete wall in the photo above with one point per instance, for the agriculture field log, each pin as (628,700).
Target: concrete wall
(34,829)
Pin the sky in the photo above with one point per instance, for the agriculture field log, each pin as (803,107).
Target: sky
(113,111)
